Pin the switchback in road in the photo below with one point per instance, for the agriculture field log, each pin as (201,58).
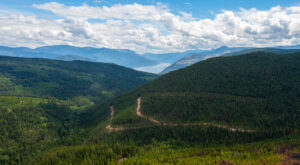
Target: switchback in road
(156,122)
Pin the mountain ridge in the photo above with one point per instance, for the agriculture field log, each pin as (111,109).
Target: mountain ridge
(222,51)
(126,58)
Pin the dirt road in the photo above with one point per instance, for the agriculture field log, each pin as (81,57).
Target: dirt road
(138,112)
(156,122)
(109,127)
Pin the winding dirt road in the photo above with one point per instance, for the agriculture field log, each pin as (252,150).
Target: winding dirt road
(109,127)
(139,113)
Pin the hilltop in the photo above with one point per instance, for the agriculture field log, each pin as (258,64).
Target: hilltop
(258,91)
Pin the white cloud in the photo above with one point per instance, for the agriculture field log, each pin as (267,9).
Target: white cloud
(125,12)
(188,3)
(150,28)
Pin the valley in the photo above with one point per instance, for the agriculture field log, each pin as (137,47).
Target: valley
(234,109)
(155,82)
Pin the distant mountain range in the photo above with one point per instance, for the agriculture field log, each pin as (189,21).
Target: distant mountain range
(194,58)
(154,63)
(224,51)
(170,57)
(72,58)
(122,57)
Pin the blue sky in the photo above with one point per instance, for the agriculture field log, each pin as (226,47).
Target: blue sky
(150,26)
(199,8)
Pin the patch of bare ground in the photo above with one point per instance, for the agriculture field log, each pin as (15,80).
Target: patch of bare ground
(139,113)
(122,159)
(109,127)
(224,162)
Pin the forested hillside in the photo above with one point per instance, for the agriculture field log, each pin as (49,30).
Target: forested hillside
(226,110)
(66,80)
(43,102)
(260,91)
(232,110)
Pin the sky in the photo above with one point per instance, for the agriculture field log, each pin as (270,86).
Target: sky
(150,26)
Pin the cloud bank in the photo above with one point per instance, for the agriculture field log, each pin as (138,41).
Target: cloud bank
(150,28)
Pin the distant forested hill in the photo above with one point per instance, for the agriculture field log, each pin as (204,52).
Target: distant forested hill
(66,80)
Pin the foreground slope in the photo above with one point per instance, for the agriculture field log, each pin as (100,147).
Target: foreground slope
(259,91)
